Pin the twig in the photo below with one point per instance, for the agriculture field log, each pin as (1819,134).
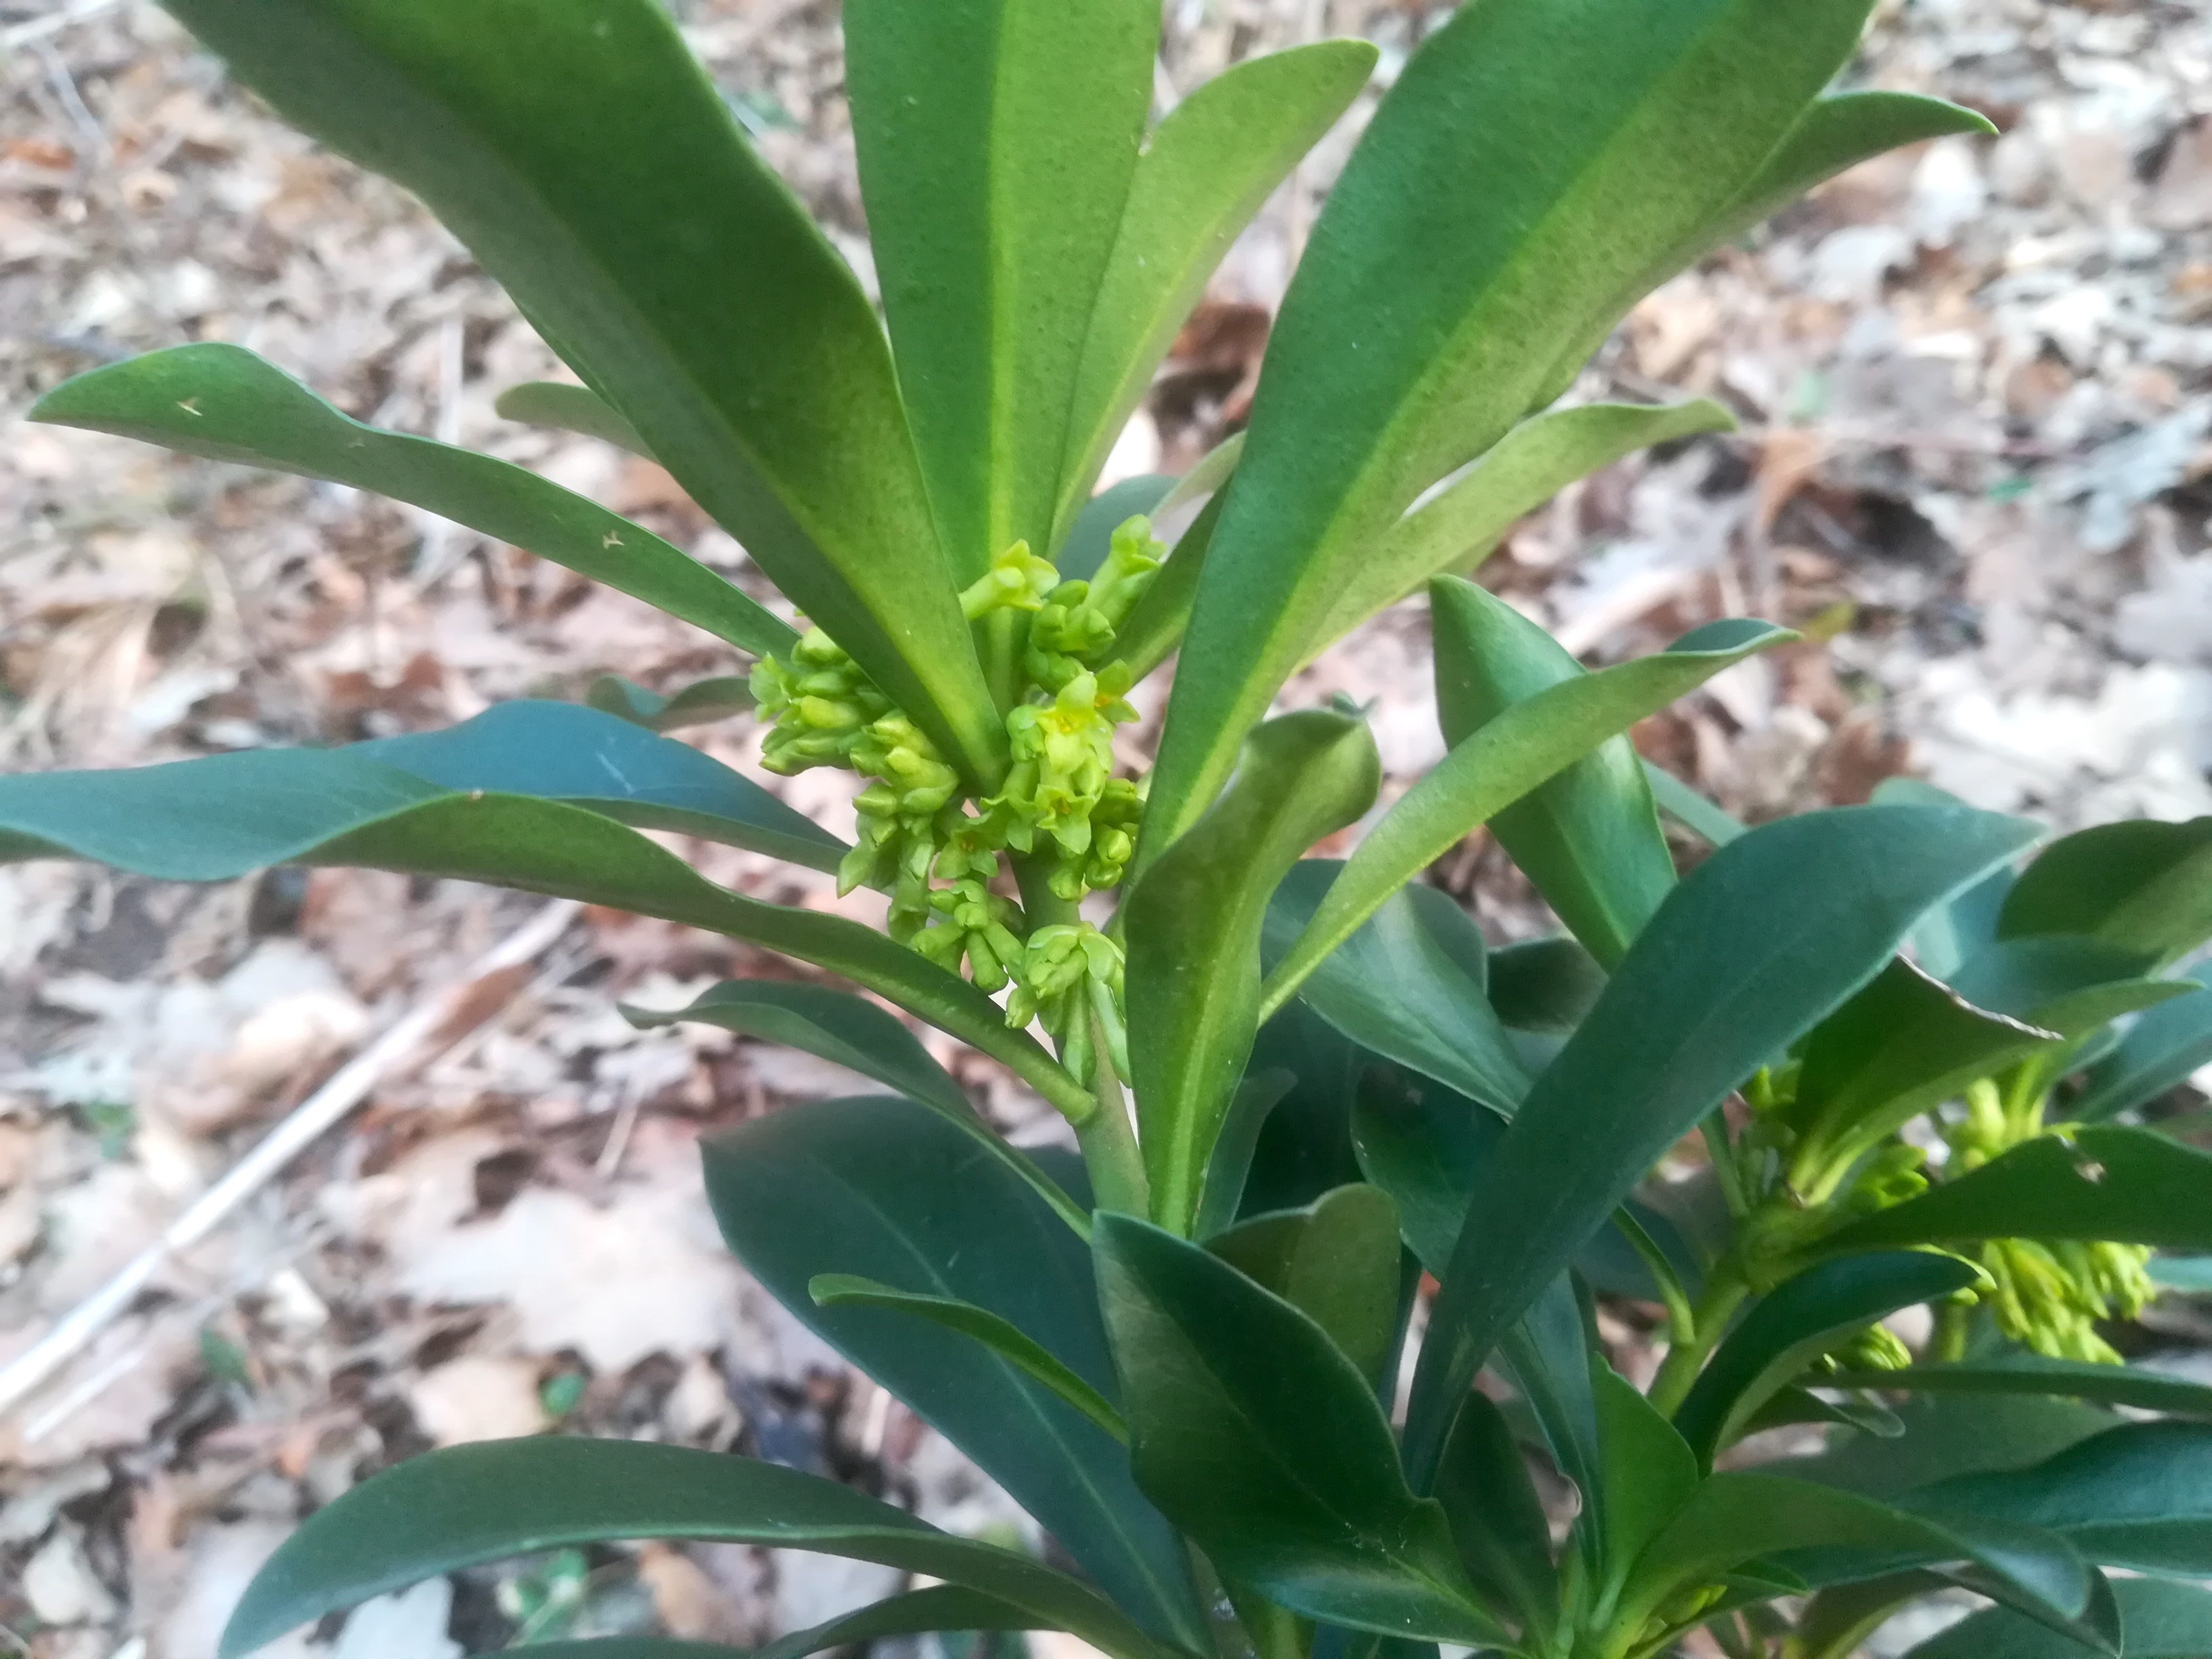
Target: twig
(426,1029)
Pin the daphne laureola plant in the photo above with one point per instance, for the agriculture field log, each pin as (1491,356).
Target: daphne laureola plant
(1180,1353)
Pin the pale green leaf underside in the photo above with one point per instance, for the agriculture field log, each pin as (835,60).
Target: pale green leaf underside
(568,408)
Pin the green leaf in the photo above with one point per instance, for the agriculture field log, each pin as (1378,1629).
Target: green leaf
(1001,1336)
(699,704)
(1547,1354)
(1408,985)
(1155,623)
(2143,885)
(941,1608)
(890,1190)
(1497,1520)
(2160,1620)
(2139,1497)
(1193,926)
(1457,530)
(447,1510)
(1091,538)
(1649,1472)
(1735,1518)
(1422,1144)
(2158,1053)
(1794,1324)
(2111,1385)
(568,408)
(228,815)
(2191,1274)
(225,403)
(1458,262)
(1304,1147)
(1690,809)
(1589,839)
(1223,1385)
(1837,1622)
(1336,1262)
(997,142)
(1698,1005)
(1207,169)
(596,173)
(1529,744)
(559,751)
(2069,984)
(2129,1186)
(1259,1091)
(1945,1434)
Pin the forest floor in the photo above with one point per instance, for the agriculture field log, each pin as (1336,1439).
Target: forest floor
(1974,384)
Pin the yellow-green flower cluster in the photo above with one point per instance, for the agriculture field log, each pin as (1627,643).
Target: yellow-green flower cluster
(1070,975)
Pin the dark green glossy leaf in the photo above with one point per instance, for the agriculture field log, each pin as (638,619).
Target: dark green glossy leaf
(1544,985)
(2126,1185)
(890,1190)
(2143,885)
(1458,262)
(447,1510)
(1001,1336)
(1497,1520)
(2158,1053)
(1796,1404)
(1735,1518)
(226,816)
(1258,1093)
(595,171)
(1945,1434)
(568,408)
(2111,1385)
(941,1608)
(1698,1005)
(1408,985)
(1422,1144)
(2139,1496)
(1589,839)
(1194,928)
(997,140)
(1155,623)
(1530,743)
(1304,1147)
(559,751)
(2159,1621)
(1336,1262)
(1091,538)
(225,403)
(699,703)
(1794,1324)
(1547,1353)
(1207,169)
(1838,1619)
(1223,1384)
(849,1031)
(1649,1472)
(1457,530)
(1690,809)
(2067,984)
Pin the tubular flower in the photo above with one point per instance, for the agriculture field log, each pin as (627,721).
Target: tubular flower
(1069,973)
(821,702)
(1063,753)
(975,924)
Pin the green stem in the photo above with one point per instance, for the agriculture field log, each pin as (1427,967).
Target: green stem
(1109,1140)
(1947,1344)
(1722,1151)
(1725,1290)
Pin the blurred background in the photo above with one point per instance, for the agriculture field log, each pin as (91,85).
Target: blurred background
(1975,385)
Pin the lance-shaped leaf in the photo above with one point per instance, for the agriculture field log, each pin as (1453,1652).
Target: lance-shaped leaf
(890,1191)
(1091,538)
(222,401)
(1206,170)
(228,815)
(558,752)
(1408,985)
(2143,885)
(2110,1385)
(2158,1620)
(1155,624)
(448,1509)
(568,408)
(1649,1473)
(1796,1323)
(1001,1336)
(941,1608)
(1547,1355)
(1946,1436)
(2159,1053)
(2126,1185)
(1691,810)
(595,171)
(847,1031)
(1458,529)
(1496,1519)
(1737,1518)
(997,140)
(1228,1171)
(2069,984)
(1589,839)
(2138,1496)
(699,703)
(1697,1005)
(1304,1146)
(1194,928)
(1223,1384)
(1457,261)
(1335,1260)
(1529,744)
